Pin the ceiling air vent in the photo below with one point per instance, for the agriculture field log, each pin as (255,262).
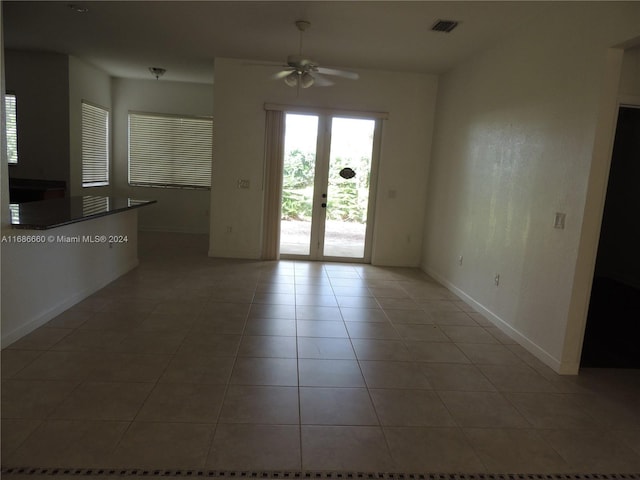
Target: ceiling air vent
(444,26)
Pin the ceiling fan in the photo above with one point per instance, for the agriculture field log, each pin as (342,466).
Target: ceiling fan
(303,72)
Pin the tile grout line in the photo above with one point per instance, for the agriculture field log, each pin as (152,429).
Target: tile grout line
(295,323)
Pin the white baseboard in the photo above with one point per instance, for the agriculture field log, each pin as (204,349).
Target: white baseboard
(234,255)
(173,230)
(539,352)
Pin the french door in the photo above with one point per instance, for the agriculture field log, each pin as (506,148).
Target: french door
(329,171)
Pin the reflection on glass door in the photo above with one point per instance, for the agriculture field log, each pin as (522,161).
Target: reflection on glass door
(326,186)
(301,135)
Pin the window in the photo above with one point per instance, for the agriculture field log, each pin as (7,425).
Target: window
(95,146)
(12,128)
(170,150)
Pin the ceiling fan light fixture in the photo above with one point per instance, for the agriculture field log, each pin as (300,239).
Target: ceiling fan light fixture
(306,80)
(301,72)
(291,79)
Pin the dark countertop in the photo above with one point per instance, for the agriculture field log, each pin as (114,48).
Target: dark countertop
(56,212)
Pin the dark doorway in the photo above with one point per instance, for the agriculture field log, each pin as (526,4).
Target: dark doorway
(612,336)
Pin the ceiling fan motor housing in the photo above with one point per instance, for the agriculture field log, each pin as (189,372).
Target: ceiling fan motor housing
(300,63)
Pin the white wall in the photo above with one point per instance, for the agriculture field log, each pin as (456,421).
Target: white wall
(240,93)
(40,281)
(94,86)
(513,144)
(177,210)
(630,76)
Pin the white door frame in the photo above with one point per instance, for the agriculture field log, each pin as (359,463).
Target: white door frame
(323,150)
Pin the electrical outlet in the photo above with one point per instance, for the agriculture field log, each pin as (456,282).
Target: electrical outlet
(460,260)
(243,183)
(229,229)
(496,280)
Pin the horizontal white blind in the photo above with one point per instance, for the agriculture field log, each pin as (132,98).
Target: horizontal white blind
(95,146)
(12,128)
(170,151)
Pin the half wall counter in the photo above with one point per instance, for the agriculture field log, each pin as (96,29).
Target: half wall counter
(57,212)
(58,252)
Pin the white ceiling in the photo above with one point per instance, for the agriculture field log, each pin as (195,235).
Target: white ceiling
(124,38)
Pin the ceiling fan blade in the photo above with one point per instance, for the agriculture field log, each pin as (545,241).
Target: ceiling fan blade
(338,73)
(321,81)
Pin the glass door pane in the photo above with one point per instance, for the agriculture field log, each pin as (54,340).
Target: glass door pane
(301,137)
(348,187)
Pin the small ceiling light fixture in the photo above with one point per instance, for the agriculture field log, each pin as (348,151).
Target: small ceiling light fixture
(444,26)
(78,8)
(157,72)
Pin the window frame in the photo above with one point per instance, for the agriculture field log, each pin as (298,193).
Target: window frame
(107,139)
(151,183)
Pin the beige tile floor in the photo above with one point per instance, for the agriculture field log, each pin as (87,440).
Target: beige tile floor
(193,362)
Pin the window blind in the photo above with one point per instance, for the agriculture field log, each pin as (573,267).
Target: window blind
(95,145)
(170,151)
(12,128)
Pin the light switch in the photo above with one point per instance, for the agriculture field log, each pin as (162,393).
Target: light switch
(559,220)
(243,183)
